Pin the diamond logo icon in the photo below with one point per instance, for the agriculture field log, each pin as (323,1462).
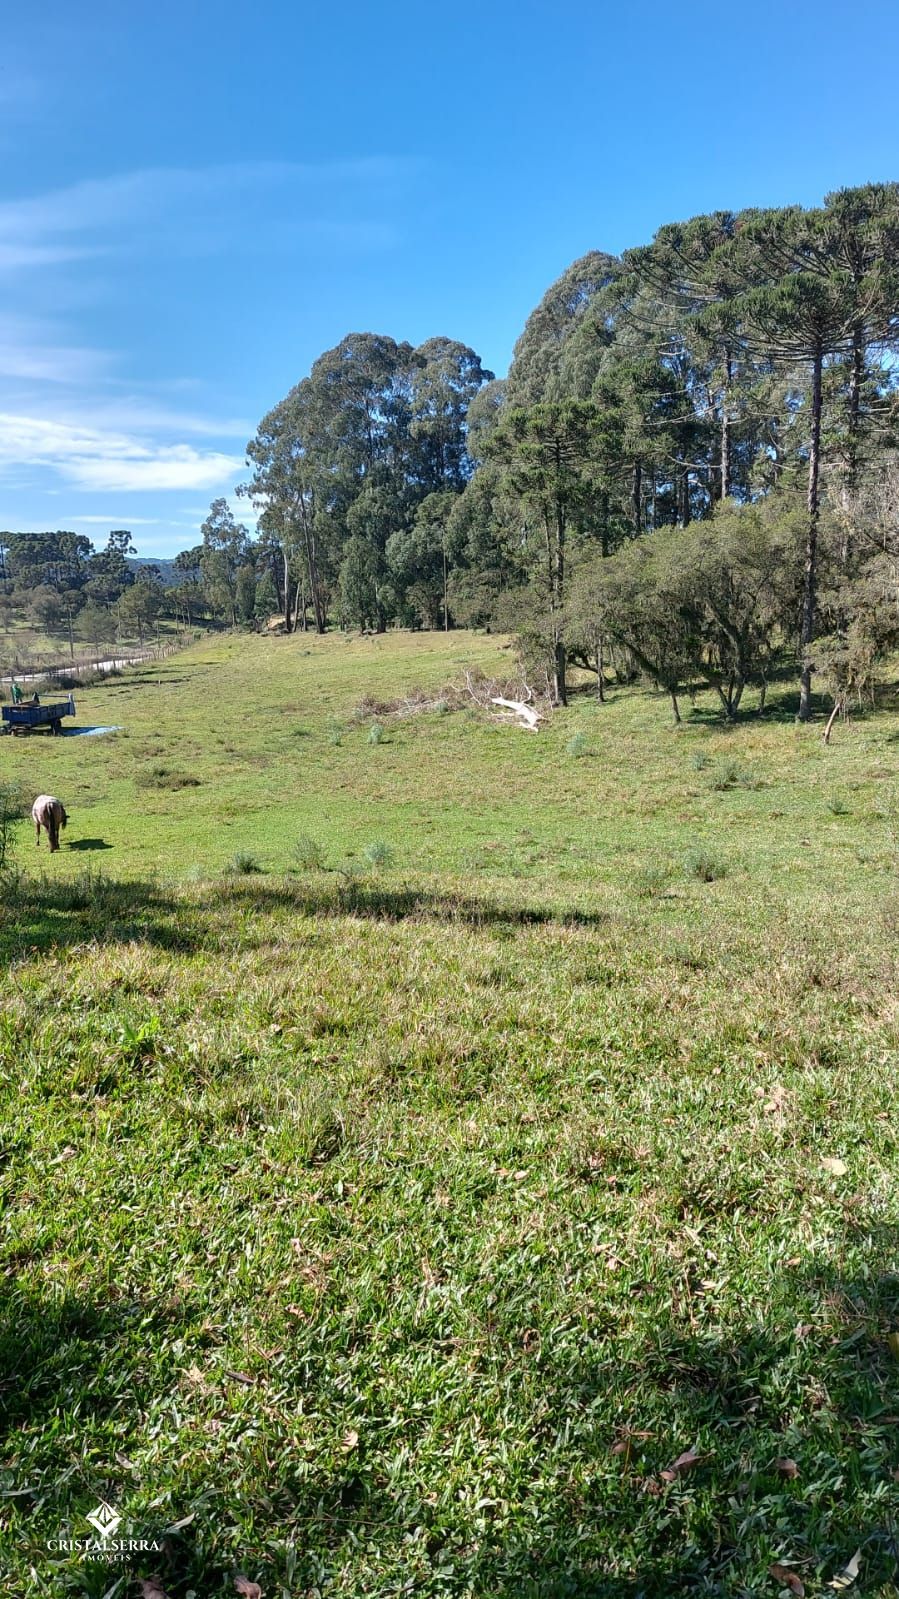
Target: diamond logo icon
(105,1520)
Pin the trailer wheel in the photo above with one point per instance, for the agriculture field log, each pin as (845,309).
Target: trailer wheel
(55,728)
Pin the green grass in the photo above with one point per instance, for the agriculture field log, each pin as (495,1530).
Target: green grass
(390,1223)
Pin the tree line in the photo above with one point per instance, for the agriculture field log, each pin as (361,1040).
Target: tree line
(60,583)
(688,472)
(683,473)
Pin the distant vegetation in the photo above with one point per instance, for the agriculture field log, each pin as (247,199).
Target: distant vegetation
(690,473)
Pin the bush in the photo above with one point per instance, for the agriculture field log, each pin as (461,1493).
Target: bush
(700,761)
(243,864)
(732,775)
(728,776)
(378,854)
(652,880)
(309,854)
(11,809)
(335,733)
(577,746)
(704,864)
(837,805)
(375,733)
(441,707)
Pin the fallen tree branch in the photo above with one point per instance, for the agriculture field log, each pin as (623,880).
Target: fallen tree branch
(516,701)
(528,719)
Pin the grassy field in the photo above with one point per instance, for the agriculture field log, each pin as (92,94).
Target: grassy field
(25,646)
(393,1218)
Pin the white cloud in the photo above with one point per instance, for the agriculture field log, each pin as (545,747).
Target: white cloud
(31,351)
(93,458)
(201,205)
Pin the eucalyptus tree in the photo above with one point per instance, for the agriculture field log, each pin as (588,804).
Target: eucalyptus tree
(419,558)
(284,484)
(445,376)
(484,414)
(373,430)
(535,374)
(225,548)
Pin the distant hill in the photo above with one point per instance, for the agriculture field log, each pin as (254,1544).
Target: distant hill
(166,568)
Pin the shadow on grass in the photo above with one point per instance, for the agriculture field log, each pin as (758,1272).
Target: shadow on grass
(88,844)
(382,901)
(41,914)
(66,1352)
(72,1369)
(781,705)
(159,680)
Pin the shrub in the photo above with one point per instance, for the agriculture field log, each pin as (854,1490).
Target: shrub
(335,733)
(704,864)
(577,746)
(441,707)
(700,761)
(11,810)
(727,776)
(378,854)
(375,733)
(651,881)
(837,805)
(308,853)
(732,775)
(243,864)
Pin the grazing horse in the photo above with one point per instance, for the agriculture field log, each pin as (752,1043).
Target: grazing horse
(49,812)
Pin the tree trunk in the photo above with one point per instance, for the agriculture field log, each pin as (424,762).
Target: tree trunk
(676,706)
(560,687)
(855,395)
(810,573)
(637,497)
(289,626)
(307,518)
(855,410)
(725,427)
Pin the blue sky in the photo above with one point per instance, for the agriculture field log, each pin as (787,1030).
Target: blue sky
(196,199)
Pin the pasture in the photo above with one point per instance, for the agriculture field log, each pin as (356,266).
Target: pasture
(454,1161)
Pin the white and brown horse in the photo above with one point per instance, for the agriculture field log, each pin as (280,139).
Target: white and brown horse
(50,813)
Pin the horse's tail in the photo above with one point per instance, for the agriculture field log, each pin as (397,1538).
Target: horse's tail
(63,818)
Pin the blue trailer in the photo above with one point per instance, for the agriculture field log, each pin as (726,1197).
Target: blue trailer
(28,716)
